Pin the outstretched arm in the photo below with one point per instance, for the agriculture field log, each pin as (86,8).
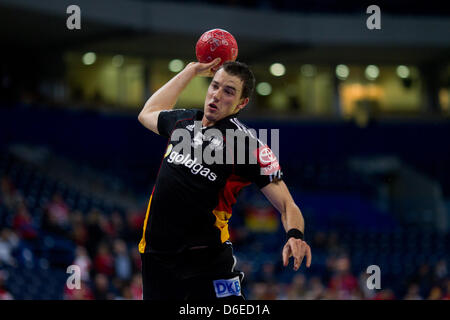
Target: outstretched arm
(166,97)
(291,217)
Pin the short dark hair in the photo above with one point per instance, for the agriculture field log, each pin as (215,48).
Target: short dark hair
(243,72)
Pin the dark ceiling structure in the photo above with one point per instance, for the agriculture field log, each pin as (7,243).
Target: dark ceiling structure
(169,30)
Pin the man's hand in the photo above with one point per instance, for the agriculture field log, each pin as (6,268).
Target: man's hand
(166,96)
(296,248)
(204,69)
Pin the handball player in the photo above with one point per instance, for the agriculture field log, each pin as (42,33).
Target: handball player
(185,248)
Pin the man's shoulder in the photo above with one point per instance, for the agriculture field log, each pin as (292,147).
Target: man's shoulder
(240,129)
(181,114)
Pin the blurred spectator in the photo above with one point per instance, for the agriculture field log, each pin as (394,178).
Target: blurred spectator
(367,293)
(95,233)
(4,293)
(50,225)
(79,230)
(135,221)
(136,259)
(104,261)
(435,293)
(8,243)
(136,286)
(385,294)
(84,262)
(262,291)
(84,293)
(333,246)
(440,270)
(118,225)
(9,196)
(101,288)
(356,294)
(122,260)
(58,211)
(320,241)
(424,278)
(23,223)
(316,289)
(446,294)
(343,284)
(107,227)
(267,273)
(297,289)
(117,285)
(126,294)
(413,292)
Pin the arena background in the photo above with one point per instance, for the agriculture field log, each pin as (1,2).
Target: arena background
(364,128)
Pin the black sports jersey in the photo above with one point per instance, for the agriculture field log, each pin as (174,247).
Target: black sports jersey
(192,198)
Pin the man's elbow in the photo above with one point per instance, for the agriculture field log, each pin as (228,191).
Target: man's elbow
(141,117)
(291,206)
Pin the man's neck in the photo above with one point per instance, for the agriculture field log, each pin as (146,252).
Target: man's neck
(207,123)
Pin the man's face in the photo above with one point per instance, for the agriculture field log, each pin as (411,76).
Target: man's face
(223,97)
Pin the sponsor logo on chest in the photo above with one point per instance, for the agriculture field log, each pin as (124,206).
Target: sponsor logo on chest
(195,167)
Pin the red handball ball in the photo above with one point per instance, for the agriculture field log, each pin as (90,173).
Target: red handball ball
(216,43)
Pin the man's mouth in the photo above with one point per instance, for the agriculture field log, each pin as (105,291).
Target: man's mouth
(212,106)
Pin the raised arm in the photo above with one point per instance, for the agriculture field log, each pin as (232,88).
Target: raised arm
(291,217)
(166,96)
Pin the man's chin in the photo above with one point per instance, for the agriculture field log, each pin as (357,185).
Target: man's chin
(211,116)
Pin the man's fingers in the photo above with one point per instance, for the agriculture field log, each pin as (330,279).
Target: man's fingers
(214,66)
(302,250)
(298,249)
(213,63)
(286,255)
(295,248)
(298,262)
(308,256)
(207,69)
(299,254)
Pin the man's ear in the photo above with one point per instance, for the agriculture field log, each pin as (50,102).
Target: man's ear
(242,103)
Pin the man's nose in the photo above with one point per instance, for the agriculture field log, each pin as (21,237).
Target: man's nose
(217,95)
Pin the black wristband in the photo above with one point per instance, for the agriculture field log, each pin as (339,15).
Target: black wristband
(297,234)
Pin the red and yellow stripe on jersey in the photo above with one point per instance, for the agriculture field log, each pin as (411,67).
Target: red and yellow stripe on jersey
(143,243)
(226,199)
